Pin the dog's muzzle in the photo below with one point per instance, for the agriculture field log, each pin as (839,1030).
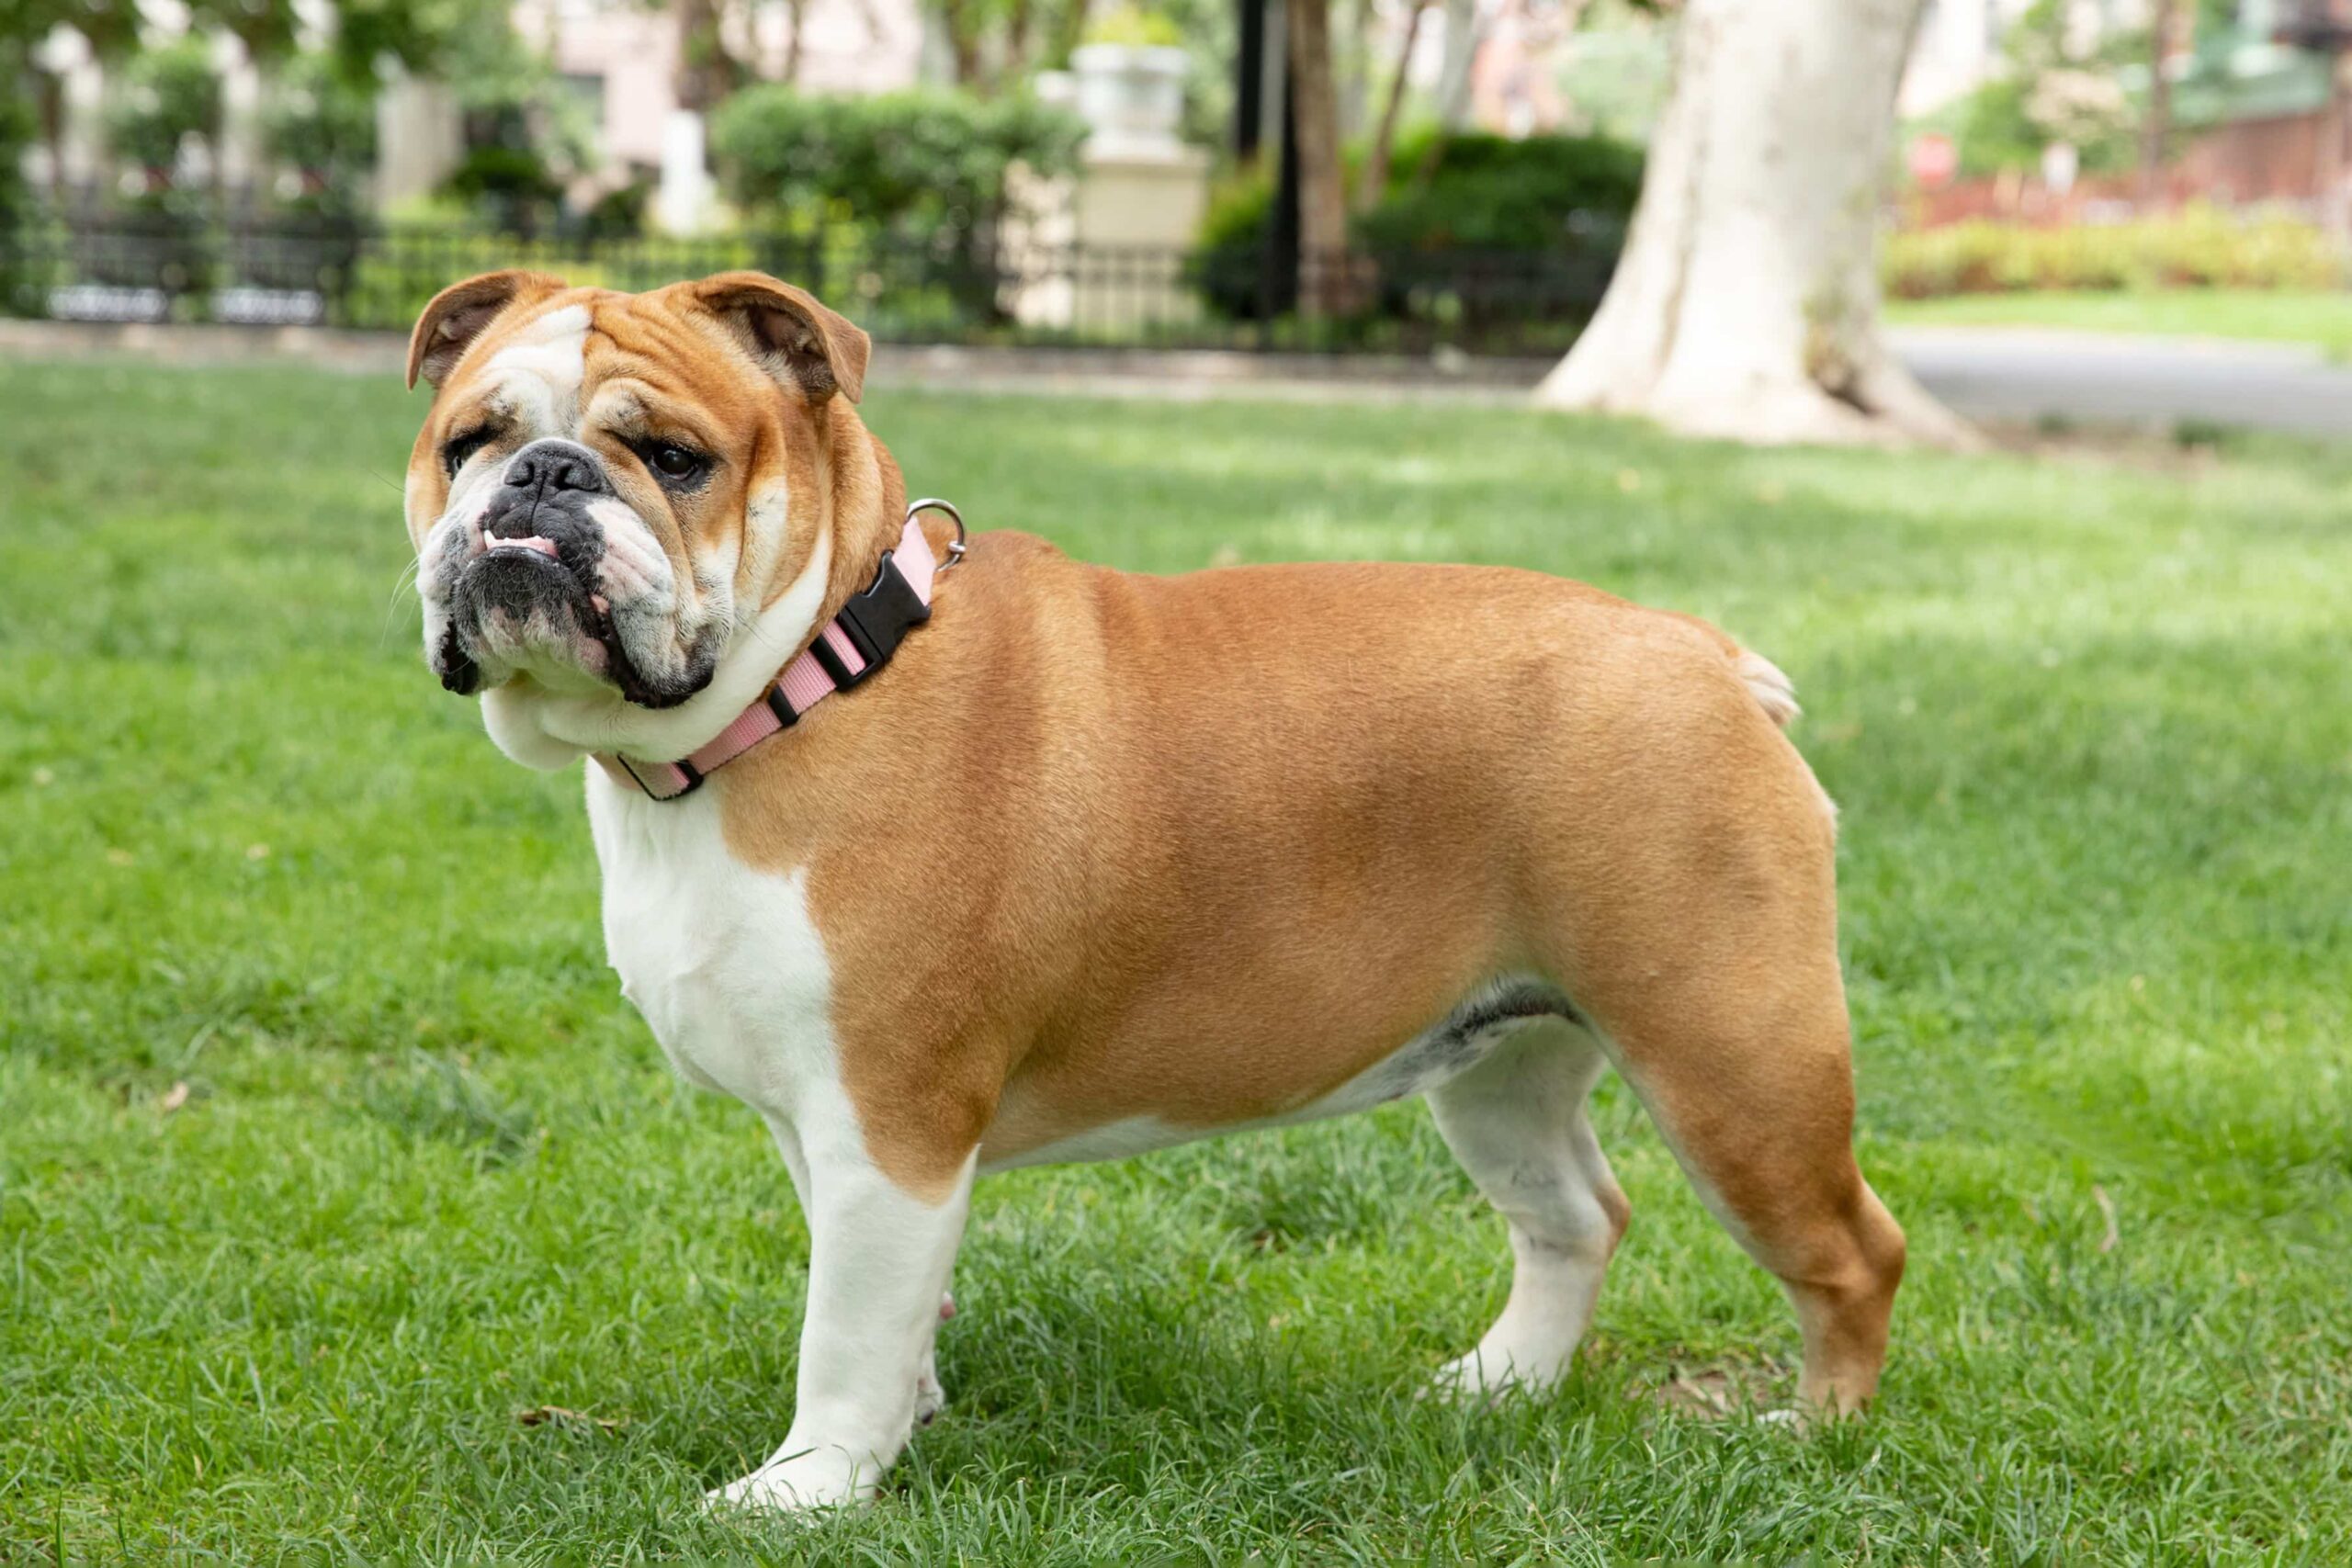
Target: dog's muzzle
(527,594)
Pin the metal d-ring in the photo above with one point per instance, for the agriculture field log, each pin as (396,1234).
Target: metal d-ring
(933,504)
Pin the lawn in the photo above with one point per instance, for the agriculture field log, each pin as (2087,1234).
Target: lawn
(2089,723)
(2321,321)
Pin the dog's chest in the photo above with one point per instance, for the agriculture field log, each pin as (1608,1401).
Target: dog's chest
(724,961)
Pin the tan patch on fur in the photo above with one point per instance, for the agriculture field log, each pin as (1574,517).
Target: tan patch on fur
(1066,874)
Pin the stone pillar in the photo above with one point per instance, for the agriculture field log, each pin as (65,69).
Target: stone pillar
(1141,193)
(420,137)
(681,206)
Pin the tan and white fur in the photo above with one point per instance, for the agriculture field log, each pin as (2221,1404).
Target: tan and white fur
(1101,863)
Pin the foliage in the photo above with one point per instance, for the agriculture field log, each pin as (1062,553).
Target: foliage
(420,35)
(2198,247)
(511,185)
(927,162)
(1563,200)
(1494,193)
(2051,89)
(620,212)
(165,95)
(2084,720)
(1136,27)
(1462,191)
(17,134)
(19,285)
(526,136)
(323,126)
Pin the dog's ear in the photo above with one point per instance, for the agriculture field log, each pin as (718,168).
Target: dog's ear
(799,342)
(457,315)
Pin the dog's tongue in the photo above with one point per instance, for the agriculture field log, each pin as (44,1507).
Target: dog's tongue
(528,542)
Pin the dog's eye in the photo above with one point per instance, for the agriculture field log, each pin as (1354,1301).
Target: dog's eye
(458,448)
(674,462)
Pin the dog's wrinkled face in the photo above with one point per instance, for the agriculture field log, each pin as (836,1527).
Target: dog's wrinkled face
(610,488)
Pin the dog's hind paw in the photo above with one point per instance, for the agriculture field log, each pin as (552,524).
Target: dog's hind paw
(819,1478)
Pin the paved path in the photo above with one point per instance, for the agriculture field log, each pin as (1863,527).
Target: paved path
(2097,379)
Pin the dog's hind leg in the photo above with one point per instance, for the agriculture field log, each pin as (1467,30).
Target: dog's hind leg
(1517,1121)
(1752,1087)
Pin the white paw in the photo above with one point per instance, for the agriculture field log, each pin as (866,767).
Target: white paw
(930,1397)
(820,1478)
(1483,1375)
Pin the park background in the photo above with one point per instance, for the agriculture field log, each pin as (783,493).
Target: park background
(1987,372)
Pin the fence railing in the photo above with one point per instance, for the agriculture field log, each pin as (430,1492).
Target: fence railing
(153,267)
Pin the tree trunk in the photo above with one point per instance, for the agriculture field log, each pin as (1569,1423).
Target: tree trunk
(2157,132)
(1453,70)
(1745,304)
(708,70)
(1374,183)
(1322,195)
(795,16)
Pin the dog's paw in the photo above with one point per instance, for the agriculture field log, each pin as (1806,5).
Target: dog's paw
(806,1483)
(930,1397)
(1482,1378)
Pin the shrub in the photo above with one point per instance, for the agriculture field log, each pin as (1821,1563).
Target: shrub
(322,127)
(2200,247)
(20,274)
(167,95)
(1480,192)
(924,161)
(1560,202)
(511,185)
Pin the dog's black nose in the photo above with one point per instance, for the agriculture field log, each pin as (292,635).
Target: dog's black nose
(552,465)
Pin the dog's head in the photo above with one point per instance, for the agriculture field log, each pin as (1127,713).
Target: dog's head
(617,500)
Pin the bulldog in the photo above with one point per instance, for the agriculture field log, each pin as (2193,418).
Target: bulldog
(945,863)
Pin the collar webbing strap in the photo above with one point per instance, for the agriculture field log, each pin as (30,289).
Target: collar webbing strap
(853,646)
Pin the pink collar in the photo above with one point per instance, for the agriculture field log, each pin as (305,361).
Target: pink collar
(853,645)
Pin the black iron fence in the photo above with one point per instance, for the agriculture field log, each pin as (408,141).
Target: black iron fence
(275,272)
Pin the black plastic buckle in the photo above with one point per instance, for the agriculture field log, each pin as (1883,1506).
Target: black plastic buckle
(693,779)
(875,622)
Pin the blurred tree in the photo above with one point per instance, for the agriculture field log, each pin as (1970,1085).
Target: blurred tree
(1747,301)
(526,136)
(166,96)
(2058,82)
(2165,30)
(1323,281)
(709,68)
(419,36)
(322,126)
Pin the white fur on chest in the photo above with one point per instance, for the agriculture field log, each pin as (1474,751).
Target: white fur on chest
(724,961)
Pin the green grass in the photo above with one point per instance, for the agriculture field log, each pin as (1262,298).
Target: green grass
(2090,725)
(2321,321)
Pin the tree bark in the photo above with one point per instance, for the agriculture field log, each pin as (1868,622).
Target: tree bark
(708,70)
(1453,70)
(797,18)
(2157,132)
(1745,304)
(1373,182)
(1322,193)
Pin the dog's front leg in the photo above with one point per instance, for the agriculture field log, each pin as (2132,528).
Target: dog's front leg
(878,1261)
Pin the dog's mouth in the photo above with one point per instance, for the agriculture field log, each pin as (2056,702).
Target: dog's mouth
(517,602)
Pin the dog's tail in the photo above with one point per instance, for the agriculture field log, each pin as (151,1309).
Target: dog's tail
(1773,691)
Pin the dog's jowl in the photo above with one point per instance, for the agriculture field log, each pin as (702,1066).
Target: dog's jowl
(948,865)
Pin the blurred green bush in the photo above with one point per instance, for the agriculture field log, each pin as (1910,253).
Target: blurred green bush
(1466,191)
(926,160)
(1554,200)
(2199,247)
